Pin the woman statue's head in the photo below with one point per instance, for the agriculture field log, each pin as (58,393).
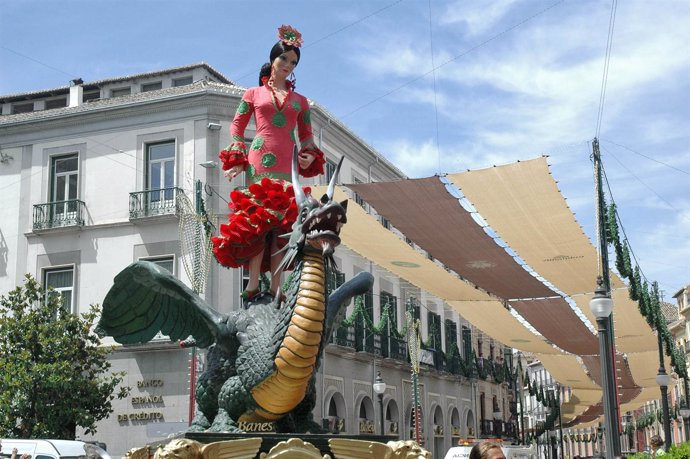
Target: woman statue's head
(286,51)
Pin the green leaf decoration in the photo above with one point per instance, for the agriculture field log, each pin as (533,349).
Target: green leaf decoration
(268,160)
(257,143)
(279,120)
(306,117)
(243,108)
(296,105)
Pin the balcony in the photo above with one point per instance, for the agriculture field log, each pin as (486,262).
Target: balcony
(153,203)
(59,214)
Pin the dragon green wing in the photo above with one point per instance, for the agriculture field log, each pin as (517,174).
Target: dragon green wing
(146,299)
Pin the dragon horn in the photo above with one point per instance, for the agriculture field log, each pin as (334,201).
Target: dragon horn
(331,186)
(299,192)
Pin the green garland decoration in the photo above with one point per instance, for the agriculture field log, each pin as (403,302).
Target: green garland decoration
(639,290)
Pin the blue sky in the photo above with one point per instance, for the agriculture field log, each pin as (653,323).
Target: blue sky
(435,86)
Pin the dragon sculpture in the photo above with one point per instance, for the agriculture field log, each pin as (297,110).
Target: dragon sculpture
(262,360)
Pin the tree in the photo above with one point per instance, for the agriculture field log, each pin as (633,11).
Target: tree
(54,375)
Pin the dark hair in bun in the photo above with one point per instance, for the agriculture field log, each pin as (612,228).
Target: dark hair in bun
(278,49)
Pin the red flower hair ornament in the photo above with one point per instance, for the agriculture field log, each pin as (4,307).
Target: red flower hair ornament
(290,36)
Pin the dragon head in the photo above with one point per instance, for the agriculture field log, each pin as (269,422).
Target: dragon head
(318,223)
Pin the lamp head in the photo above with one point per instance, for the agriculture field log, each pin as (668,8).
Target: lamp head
(601,304)
(663,380)
(379,384)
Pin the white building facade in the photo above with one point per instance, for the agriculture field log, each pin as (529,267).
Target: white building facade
(90,174)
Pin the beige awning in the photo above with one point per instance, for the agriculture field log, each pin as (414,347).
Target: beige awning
(532,269)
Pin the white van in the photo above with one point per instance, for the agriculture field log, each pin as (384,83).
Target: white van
(52,449)
(510,452)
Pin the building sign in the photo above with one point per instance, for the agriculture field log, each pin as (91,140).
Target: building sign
(144,402)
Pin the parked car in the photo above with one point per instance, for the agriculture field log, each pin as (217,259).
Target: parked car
(53,449)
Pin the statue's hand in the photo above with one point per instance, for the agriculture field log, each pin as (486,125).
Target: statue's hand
(305,159)
(233,172)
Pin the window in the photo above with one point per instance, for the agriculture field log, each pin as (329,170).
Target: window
(384,221)
(466,343)
(151,86)
(167,262)
(244,279)
(119,92)
(61,280)
(434,329)
(451,334)
(64,186)
(392,302)
(56,103)
(358,199)
(330,170)
(160,171)
(23,108)
(184,81)
(92,95)
(413,307)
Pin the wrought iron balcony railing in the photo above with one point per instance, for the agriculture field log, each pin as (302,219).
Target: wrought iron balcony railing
(152,203)
(59,214)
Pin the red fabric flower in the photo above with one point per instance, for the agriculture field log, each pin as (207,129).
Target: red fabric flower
(231,158)
(267,206)
(316,167)
(290,36)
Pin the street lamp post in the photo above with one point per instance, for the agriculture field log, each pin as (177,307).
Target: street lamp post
(560,420)
(611,386)
(662,379)
(380,388)
(602,306)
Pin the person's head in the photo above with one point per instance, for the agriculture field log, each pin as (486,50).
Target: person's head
(656,442)
(487,450)
(284,55)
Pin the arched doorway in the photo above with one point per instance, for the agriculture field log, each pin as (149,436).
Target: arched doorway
(455,426)
(365,416)
(392,418)
(336,413)
(470,424)
(438,433)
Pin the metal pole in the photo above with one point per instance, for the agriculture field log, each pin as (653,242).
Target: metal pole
(686,421)
(610,402)
(560,422)
(522,404)
(668,440)
(602,323)
(383,429)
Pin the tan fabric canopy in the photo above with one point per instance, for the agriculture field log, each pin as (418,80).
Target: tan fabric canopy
(524,208)
(366,236)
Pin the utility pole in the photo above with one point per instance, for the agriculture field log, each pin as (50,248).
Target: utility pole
(611,414)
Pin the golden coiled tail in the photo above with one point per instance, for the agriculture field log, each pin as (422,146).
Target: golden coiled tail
(285,388)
